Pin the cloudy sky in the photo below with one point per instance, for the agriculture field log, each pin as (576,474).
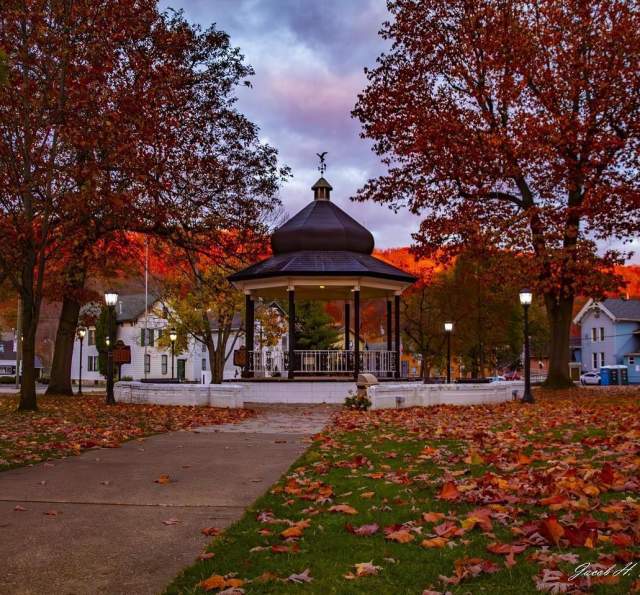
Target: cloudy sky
(309,59)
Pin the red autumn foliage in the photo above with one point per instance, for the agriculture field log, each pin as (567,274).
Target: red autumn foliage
(513,124)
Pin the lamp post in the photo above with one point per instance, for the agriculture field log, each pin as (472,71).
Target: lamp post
(448,329)
(173,335)
(525,299)
(110,299)
(81,333)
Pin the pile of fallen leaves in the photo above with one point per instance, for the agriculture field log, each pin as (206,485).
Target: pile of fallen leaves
(505,498)
(65,426)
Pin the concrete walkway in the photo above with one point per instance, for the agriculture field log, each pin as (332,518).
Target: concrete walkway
(99,523)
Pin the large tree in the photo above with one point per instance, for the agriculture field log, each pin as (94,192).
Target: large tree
(517,122)
(85,83)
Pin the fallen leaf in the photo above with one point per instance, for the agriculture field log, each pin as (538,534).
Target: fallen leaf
(552,530)
(171,521)
(302,577)
(401,536)
(163,479)
(363,530)
(343,508)
(436,542)
(215,581)
(449,491)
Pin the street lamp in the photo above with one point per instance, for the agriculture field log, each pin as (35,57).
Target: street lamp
(110,299)
(526,298)
(173,335)
(81,333)
(448,329)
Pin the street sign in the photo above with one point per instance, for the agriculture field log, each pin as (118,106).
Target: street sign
(121,354)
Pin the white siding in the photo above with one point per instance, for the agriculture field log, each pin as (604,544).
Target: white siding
(130,334)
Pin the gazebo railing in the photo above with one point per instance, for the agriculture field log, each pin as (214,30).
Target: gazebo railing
(321,361)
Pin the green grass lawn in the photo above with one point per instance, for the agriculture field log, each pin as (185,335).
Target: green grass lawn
(559,480)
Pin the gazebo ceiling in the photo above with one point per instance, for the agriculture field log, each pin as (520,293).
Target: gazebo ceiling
(322,246)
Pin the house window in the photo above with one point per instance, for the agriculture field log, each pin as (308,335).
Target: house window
(602,359)
(602,333)
(594,357)
(594,334)
(149,337)
(92,363)
(1,347)
(204,364)
(91,337)
(632,360)
(147,363)
(204,348)
(165,364)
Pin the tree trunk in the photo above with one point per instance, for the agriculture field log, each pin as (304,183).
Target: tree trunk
(216,360)
(60,380)
(560,313)
(28,400)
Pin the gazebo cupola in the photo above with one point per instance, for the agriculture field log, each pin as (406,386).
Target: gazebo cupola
(322,253)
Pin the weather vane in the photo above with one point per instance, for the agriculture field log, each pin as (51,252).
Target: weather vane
(323,164)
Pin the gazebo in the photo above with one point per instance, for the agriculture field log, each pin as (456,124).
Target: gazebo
(323,254)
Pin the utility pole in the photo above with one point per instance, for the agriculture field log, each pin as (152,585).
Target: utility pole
(18,342)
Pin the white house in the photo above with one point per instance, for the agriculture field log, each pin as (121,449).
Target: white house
(148,360)
(8,358)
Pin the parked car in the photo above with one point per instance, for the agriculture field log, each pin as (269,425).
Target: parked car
(496,379)
(512,376)
(590,378)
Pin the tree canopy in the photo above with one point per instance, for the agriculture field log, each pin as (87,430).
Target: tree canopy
(517,123)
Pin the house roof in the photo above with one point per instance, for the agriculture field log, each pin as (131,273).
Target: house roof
(614,308)
(623,309)
(132,306)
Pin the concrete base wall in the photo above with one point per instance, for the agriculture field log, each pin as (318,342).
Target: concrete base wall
(199,395)
(397,396)
(297,392)
(383,396)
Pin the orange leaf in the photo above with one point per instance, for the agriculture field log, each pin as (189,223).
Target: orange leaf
(215,581)
(449,491)
(343,508)
(163,479)
(401,536)
(552,529)
(432,517)
(436,542)
(294,531)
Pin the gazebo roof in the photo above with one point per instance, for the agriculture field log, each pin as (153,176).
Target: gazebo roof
(322,263)
(322,241)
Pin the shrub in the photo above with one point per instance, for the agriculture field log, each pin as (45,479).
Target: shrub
(359,402)
(7,379)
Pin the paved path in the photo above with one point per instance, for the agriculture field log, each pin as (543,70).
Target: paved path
(96,523)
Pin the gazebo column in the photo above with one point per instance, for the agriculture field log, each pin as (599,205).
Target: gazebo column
(347,325)
(397,335)
(292,333)
(249,322)
(356,332)
(389,331)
